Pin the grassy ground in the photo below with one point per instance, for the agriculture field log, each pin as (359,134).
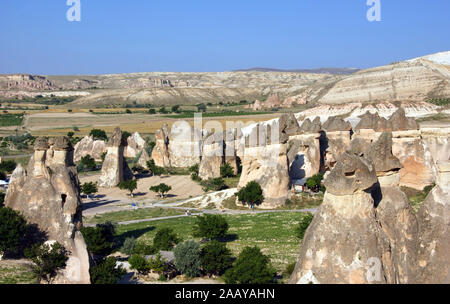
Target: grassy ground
(272,232)
(128,215)
(7,120)
(416,197)
(11,273)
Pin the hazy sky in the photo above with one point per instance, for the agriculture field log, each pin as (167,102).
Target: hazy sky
(209,35)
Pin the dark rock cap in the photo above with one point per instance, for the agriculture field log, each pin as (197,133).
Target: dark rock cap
(400,122)
(335,123)
(311,127)
(116,139)
(380,152)
(62,143)
(41,143)
(351,174)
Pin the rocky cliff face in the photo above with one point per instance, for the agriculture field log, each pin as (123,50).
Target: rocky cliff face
(135,145)
(160,153)
(115,169)
(212,156)
(47,194)
(185,145)
(89,146)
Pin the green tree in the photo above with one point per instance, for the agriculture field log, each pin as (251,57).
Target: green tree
(87,163)
(314,182)
(2,199)
(163,110)
(152,111)
(165,239)
(188,259)
(216,258)
(157,264)
(154,168)
(139,263)
(70,134)
(129,185)
(103,156)
(161,189)
(106,272)
(99,239)
(210,226)
(12,229)
(129,246)
(251,194)
(304,223)
(2,175)
(215,184)
(47,260)
(98,134)
(176,109)
(128,111)
(251,267)
(226,170)
(8,166)
(201,107)
(89,188)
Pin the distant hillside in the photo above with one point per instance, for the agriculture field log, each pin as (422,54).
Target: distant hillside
(335,71)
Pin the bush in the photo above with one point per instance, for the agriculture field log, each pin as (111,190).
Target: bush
(87,163)
(289,269)
(161,189)
(2,175)
(210,226)
(142,248)
(139,262)
(47,260)
(12,230)
(152,111)
(251,267)
(157,264)
(300,229)
(129,246)
(106,272)
(89,188)
(226,170)
(251,194)
(8,166)
(155,169)
(215,184)
(103,156)
(98,134)
(2,199)
(165,239)
(129,185)
(216,258)
(187,258)
(99,239)
(314,182)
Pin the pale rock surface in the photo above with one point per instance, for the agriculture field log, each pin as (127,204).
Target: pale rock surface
(89,146)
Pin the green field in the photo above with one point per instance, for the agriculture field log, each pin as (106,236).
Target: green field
(272,232)
(129,215)
(16,274)
(8,120)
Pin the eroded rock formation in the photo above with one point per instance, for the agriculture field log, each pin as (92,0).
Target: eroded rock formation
(160,153)
(89,146)
(212,156)
(47,194)
(115,168)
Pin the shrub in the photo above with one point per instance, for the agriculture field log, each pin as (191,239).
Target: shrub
(103,156)
(251,194)
(2,175)
(87,163)
(157,264)
(106,272)
(89,188)
(161,189)
(2,199)
(152,111)
(289,269)
(226,170)
(215,184)
(142,248)
(70,134)
(314,182)
(98,134)
(12,229)
(99,239)
(194,168)
(139,262)
(165,239)
(201,107)
(8,166)
(47,260)
(210,226)
(216,258)
(251,267)
(128,111)
(129,185)
(129,246)
(155,169)
(300,229)
(187,258)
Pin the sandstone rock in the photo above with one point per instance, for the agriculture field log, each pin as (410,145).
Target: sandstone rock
(135,145)
(400,122)
(335,123)
(304,156)
(381,154)
(231,141)
(48,196)
(351,174)
(115,168)
(309,126)
(89,146)
(434,223)
(160,153)
(212,157)
(143,159)
(185,145)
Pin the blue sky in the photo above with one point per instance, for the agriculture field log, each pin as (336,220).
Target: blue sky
(210,35)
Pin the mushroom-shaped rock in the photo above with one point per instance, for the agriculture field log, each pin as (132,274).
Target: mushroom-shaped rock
(351,174)
(335,123)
